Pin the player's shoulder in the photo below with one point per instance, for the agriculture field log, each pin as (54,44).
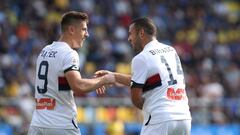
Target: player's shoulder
(139,58)
(139,55)
(63,47)
(164,45)
(46,47)
(57,45)
(166,48)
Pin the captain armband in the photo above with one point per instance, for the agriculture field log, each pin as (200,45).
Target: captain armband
(73,67)
(136,85)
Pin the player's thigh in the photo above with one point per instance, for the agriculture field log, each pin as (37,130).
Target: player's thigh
(179,127)
(35,131)
(52,131)
(154,129)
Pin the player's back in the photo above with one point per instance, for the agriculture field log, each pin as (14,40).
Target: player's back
(164,88)
(55,106)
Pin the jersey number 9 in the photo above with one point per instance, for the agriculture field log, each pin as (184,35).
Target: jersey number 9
(42,74)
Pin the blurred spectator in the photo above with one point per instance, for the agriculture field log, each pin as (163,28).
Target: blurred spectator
(211,89)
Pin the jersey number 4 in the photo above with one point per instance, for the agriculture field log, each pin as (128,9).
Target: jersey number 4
(172,94)
(42,75)
(179,69)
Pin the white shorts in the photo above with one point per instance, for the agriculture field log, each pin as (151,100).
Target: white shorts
(176,127)
(52,131)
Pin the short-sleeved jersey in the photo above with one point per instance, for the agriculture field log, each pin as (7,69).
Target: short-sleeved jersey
(158,71)
(55,105)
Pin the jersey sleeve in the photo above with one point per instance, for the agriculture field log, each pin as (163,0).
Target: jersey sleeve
(71,62)
(139,72)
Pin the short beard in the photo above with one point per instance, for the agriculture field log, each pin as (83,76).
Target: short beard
(137,50)
(138,47)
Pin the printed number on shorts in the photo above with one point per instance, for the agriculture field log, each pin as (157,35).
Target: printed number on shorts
(179,94)
(42,75)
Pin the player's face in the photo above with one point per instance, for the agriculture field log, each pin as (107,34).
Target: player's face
(81,34)
(134,38)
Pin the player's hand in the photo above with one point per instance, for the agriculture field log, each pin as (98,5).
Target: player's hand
(109,80)
(102,73)
(109,77)
(101,90)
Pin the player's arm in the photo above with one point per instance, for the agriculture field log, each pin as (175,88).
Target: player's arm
(86,85)
(138,79)
(73,76)
(136,97)
(121,78)
(124,79)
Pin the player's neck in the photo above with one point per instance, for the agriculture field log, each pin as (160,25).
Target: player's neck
(147,40)
(65,39)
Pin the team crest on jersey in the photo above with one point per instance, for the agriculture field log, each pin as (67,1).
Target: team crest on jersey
(74,61)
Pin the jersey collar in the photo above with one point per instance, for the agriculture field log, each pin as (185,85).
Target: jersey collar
(60,43)
(149,44)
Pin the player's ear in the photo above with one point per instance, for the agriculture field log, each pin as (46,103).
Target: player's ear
(141,32)
(71,29)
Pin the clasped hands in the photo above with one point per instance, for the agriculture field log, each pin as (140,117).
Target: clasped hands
(112,79)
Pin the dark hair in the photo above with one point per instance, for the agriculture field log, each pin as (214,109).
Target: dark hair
(72,17)
(145,23)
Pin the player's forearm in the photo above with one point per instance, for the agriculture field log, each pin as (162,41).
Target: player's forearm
(138,103)
(123,78)
(87,85)
(79,84)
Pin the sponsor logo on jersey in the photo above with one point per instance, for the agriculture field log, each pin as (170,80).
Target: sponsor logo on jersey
(45,103)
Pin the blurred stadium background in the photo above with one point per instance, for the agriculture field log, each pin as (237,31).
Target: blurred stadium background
(206,34)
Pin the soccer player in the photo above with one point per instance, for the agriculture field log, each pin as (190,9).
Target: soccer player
(157,82)
(58,76)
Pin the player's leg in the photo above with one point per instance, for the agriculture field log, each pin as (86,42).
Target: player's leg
(154,129)
(35,131)
(53,131)
(179,127)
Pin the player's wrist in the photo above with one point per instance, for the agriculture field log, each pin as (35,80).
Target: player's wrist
(109,78)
